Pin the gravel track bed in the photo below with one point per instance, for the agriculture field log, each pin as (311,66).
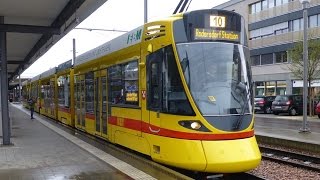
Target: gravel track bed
(273,170)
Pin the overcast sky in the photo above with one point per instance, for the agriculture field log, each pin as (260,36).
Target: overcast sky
(112,15)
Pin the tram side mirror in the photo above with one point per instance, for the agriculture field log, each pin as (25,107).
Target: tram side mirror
(150,48)
(241,87)
(184,64)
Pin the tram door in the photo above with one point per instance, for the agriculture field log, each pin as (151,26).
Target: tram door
(80,102)
(154,89)
(100,96)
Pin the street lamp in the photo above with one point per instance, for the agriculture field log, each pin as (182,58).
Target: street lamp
(305,4)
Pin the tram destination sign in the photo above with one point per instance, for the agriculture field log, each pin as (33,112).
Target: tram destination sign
(213,25)
(214,34)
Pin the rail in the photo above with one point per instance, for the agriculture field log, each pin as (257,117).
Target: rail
(291,158)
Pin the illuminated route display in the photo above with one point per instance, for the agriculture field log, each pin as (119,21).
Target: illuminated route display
(211,34)
(211,25)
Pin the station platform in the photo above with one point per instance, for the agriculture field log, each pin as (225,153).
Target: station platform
(40,150)
(285,130)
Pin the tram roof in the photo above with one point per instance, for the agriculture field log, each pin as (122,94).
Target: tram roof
(35,78)
(128,39)
(34,26)
(25,82)
(64,65)
(48,73)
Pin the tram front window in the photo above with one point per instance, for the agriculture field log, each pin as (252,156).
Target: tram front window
(217,75)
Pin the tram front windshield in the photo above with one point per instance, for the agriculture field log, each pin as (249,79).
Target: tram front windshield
(218,76)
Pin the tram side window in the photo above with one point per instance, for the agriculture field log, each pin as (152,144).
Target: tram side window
(154,62)
(89,92)
(60,91)
(63,91)
(77,91)
(175,100)
(115,84)
(42,92)
(130,77)
(51,98)
(165,89)
(155,86)
(123,83)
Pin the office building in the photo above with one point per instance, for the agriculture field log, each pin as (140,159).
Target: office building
(273,28)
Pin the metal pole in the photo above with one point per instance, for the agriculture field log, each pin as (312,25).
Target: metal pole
(4,88)
(74,50)
(145,11)
(20,88)
(305,127)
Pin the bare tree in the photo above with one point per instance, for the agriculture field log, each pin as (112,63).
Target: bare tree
(296,66)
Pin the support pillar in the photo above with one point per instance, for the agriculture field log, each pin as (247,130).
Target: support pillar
(20,99)
(145,11)
(4,88)
(73,51)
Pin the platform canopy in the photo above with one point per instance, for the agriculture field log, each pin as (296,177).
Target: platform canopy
(33,26)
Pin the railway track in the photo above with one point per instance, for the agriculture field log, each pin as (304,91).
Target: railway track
(291,158)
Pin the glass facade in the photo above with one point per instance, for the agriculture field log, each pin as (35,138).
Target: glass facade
(266,4)
(270,88)
(284,27)
(271,58)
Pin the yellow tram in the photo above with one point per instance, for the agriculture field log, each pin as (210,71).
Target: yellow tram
(65,93)
(25,93)
(178,90)
(48,97)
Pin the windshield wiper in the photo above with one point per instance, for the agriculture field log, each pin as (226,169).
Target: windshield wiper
(242,87)
(185,65)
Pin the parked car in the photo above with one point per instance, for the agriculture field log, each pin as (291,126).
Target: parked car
(263,103)
(317,110)
(292,104)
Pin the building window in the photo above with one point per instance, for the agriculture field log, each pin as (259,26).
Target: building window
(271,3)
(281,28)
(252,8)
(278,2)
(270,88)
(281,87)
(266,59)
(259,89)
(313,21)
(281,57)
(295,25)
(255,60)
(264,4)
(267,31)
(258,7)
(255,34)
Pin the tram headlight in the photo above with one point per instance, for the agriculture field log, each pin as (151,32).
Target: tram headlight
(195,125)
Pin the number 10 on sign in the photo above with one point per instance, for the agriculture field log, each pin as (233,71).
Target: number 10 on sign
(218,21)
